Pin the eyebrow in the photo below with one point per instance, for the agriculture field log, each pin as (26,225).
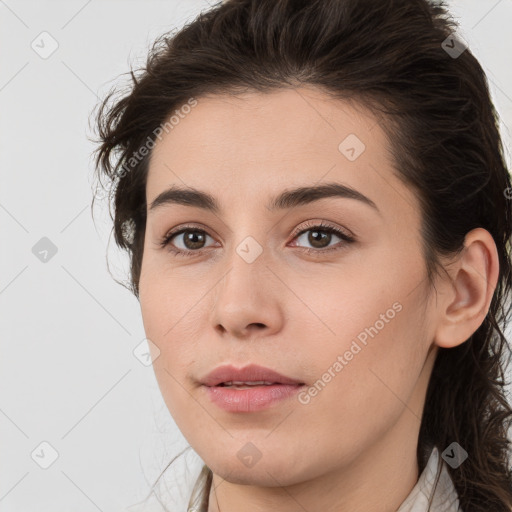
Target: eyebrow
(291,198)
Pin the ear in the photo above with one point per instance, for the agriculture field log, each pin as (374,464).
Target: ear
(466,298)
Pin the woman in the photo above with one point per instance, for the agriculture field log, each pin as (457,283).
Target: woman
(316,206)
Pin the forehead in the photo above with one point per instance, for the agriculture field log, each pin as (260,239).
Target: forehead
(249,147)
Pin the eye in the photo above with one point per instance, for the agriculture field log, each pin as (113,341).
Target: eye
(320,236)
(195,238)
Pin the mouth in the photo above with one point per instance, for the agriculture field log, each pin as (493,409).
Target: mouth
(248,385)
(249,389)
(253,396)
(250,376)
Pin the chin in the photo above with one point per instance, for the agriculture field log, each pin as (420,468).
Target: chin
(268,471)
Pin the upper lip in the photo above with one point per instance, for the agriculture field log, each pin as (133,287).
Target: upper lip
(250,373)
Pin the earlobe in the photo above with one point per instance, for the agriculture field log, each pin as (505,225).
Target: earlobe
(470,291)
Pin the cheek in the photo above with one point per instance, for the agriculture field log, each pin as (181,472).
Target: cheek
(161,300)
(358,400)
(368,368)
(160,318)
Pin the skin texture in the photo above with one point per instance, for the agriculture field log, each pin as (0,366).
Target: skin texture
(353,446)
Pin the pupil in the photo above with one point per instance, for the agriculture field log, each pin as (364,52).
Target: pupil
(190,239)
(316,235)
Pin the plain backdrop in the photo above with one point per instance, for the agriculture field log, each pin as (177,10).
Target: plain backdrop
(73,395)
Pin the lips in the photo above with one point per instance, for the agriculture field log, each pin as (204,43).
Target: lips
(249,375)
(250,389)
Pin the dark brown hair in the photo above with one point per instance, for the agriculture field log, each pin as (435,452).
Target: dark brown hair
(392,57)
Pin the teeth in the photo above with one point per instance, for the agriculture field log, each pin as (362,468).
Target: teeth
(254,383)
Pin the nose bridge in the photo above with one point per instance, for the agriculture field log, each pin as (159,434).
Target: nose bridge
(248,240)
(248,245)
(247,260)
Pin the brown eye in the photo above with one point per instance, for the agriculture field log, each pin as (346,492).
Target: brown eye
(188,240)
(320,236)
(193,239)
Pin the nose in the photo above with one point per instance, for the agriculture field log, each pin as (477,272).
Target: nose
(250,331)
(247,301)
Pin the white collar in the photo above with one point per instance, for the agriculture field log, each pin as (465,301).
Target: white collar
(445,495)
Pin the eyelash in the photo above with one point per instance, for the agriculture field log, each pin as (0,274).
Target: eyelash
(347,239)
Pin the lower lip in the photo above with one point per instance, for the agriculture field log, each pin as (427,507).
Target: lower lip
(250,400)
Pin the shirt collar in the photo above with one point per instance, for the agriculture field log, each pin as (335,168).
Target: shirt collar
(445,498)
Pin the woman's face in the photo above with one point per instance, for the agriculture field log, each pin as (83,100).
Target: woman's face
(350,320)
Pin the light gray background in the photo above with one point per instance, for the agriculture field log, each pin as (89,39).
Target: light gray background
(68,375)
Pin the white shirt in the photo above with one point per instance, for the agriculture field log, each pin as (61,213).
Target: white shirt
(445,496)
